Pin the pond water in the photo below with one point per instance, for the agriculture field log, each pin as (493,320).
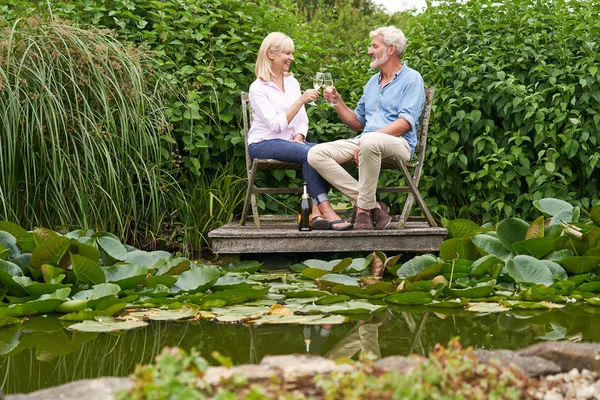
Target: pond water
(40,352)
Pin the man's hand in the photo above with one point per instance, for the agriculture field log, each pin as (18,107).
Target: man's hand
(356,156)
(330,94)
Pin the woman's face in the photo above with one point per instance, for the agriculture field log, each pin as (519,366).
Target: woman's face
(281,60)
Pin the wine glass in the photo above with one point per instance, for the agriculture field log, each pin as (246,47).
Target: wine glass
(317,83)
(328,82)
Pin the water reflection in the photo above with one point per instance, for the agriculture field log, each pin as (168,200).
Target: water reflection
(40,353)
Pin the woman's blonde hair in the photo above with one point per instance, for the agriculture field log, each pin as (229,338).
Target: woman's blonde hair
(276,42)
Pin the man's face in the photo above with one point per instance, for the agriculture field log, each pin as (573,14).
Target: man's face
(378,52)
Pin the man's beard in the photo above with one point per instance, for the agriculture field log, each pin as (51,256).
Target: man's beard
(378,62)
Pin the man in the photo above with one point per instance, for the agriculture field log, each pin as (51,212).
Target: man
(388,112)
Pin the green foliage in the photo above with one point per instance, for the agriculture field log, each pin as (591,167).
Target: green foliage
(515,116)
(83,131)
(448,373)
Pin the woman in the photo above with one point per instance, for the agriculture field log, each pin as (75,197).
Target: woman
(280,124)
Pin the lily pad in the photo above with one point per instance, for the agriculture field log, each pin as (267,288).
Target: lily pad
(414,266)
(408,298)
(461,228)
(579,265)
(488,244)
(231,281)
(487,307)
(529,269)
(107,326)
(313,273)
(237,296)
(338,279)
(127,276)
(537,247)
(456,248)
(332,299)
(550,206)
(112,247)
(512,230)
(482,266)
(480,290)
(451,303)
(86,270)
(174,266)
(243,266)
(198,279)
(172,315)
(152,260)
(50,251)
(34,288)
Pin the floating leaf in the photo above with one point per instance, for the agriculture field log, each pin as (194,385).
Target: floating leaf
(491,245)
(8,241)
(175,266)
(8,270)
(537,247)
(357,265)
(172,315)
(106,326)
(450,303)
(198,279)
(556,269)
(529,269)
(487,307)
(552,207)
(48,303)
(348,307)
(409,298)
(458,248)
(127,276)
(480,290)
(37,289)
(332,299)
(112,247)
(243,266)
(50,252)
(416,265)
(536,229)
(579,265)
(461,228)
(483,265)
(151,260)
(230,281)
(86,270)
(313,273)
(166,280)
(337,279)
(512,230)
(237,296)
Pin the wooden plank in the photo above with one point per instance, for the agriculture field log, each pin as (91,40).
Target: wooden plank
(278,235)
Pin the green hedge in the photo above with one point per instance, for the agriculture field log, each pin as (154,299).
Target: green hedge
(516,115)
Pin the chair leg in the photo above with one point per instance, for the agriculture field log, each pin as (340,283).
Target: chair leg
(406,211)
(414,191)
(246,199)
(255,211)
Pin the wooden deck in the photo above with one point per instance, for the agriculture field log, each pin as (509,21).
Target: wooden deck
(280,235)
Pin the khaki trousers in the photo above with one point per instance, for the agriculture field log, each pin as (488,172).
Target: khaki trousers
(373,147)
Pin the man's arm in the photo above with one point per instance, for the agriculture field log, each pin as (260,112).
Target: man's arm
(397,128)
(346,113)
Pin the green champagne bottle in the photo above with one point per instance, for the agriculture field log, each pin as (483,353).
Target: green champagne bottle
(305,208)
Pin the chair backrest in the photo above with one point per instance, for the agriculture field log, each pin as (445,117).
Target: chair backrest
(424,126)
(247,118)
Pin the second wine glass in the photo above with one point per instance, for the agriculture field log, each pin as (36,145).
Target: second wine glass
(317,83)
(328,82)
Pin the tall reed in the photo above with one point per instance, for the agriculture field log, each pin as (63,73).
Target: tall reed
(83,139)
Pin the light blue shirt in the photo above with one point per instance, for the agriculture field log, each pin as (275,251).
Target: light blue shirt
(403,97)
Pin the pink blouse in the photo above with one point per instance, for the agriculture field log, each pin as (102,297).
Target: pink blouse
(269,105)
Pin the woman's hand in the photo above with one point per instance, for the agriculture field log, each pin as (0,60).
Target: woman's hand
(299,138)
(309,95)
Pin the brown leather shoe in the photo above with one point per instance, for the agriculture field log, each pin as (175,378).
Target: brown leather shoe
(363,222)
(381,217)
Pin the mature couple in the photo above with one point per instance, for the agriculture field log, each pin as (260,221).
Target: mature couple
(388,113)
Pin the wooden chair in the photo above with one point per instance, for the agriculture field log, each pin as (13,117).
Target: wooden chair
(412,180)
(256,165)
(416,165)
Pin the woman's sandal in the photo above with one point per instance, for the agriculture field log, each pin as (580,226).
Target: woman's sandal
(319,223)
(332,225)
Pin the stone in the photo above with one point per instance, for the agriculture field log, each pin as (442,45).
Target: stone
(254,373)
(533,366)
(88,389)
(567,355)
(400,364)
(295,367)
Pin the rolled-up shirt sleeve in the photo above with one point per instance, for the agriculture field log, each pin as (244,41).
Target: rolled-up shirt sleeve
(412,102)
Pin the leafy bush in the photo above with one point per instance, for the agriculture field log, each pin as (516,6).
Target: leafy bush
(515,115)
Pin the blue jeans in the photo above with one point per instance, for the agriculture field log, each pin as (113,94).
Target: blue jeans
(288,151)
